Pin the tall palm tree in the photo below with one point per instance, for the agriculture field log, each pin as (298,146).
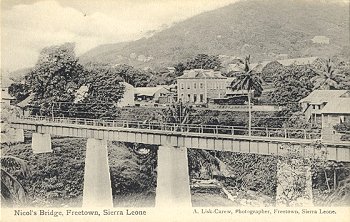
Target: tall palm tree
(326,77)
(249,80)
(12,190)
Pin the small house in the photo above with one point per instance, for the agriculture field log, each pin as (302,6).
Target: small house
(315,102)
(158,94)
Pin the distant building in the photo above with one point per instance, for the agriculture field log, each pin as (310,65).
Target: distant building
(6,98)
(320,39)
(313,105)
(158,94)
(128,97)
(26,105)
(198,85)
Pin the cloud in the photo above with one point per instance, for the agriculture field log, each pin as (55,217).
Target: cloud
(27,28)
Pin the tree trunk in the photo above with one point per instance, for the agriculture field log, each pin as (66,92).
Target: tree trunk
(250,115)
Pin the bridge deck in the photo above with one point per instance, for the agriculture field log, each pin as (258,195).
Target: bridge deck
(257,133)
(224,138)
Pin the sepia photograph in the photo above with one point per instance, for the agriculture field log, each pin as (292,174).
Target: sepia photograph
(175,110)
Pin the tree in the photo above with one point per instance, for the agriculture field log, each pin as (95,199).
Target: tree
(326,77)
(292,83)
(54,78)
(248,80)
(135,77)
(178,113)
(200,61)
(343,75)
(104,89)
(19,90)
(269,70)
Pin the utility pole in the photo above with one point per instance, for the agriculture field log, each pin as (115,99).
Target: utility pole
(52,115)
(250,114)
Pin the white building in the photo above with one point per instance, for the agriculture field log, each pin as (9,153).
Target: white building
(128,97)
(6,98)
(320,39)
(313,105)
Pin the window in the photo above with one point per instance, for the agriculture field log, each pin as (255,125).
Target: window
(201,98)
(201,85)
(195,85)
(313,106)
(188,86)
(194,97)
(182,86)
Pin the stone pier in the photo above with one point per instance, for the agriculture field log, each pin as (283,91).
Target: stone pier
(294,184)
(41,143)
(173,183)
(97,181)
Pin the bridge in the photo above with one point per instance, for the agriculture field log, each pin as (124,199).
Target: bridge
(173,140)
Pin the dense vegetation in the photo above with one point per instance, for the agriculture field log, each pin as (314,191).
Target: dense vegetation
(57,178)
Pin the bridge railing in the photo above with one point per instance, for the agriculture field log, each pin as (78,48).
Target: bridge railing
(191,128)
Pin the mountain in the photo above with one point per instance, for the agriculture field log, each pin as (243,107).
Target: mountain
(266,30)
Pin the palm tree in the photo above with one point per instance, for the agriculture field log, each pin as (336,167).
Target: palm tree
(178,113)
(12,190)
(249,80)
(326,77)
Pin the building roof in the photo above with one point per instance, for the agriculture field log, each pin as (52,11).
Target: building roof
(337,105)
(321,96)
(201,73)
(148,91)
(26,102)
(320,39)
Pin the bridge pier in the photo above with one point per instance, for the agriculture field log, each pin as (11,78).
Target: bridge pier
(294,184)
(97,181)
(173,183)
(41,143)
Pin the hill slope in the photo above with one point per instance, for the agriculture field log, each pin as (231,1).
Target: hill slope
(263,29)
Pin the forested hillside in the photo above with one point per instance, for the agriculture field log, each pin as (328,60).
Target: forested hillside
(265,29)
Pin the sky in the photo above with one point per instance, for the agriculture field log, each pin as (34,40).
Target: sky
(27,26)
